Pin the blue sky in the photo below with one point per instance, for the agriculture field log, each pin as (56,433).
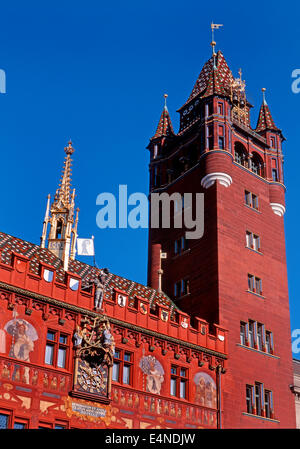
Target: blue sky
(96,72)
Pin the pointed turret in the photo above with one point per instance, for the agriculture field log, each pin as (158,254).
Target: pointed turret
(265,120)
(165,127)
(215,74)
(63,228)
(62,195)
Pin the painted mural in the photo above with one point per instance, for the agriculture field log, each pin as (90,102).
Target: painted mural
(154,373)
(23,335)
(206,392)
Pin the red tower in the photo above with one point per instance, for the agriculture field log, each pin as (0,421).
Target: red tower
(235,274)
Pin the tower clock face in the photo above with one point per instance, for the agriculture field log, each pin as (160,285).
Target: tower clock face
(92,379)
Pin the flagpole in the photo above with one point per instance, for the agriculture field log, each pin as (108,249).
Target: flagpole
(94,258)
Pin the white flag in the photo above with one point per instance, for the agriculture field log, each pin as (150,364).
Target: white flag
(85,247)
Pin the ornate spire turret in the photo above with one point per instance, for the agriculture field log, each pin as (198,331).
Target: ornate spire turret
(265,120)
(63,228)
(165,127)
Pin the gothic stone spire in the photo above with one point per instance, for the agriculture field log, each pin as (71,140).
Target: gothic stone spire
(63,227)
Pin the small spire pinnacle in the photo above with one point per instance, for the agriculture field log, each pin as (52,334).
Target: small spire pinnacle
(264,97)
(63,225)
(164,127)
(69,149)
(165,97)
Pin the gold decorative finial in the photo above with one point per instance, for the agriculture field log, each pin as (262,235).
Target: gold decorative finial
(69,149)
(165,97)
(264,97)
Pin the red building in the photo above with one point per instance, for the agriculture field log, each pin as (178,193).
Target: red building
(83,348)
(235,274)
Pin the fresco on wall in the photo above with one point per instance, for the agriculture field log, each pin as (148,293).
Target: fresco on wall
(154,373)
(23,335)
(206,393)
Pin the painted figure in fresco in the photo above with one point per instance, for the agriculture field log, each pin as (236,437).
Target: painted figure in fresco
(2,342)
(154,372)
(23,337)
(205,390)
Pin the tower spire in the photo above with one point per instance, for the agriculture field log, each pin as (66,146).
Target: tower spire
(165,127)
(63,225)
(265,120)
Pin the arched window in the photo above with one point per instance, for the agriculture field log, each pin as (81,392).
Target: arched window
(59,228)
(240,154)
(257,165)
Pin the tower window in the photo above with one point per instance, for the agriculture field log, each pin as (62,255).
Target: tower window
(252,241)
(256,165)
(208,109)
(254,335)
(220,108)
(209,137)
(156,177)
(254,284)
(181,288)
(259,401)
(251,200)
(59,230)
(249,398)
(221,137)
(180,245)
(274,170)
(268,404)
(240,154)
(274,175)
(273,142)
(258,398)
(260,332)
(269,342)
(243,334)
(251,334)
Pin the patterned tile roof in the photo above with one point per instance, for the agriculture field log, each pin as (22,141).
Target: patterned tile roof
(165,127)
(36,254)
(265,120)
(221,80)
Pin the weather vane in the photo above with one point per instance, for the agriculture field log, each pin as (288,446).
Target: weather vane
(214,26)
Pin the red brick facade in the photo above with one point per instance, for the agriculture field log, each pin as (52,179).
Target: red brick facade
(239,283)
